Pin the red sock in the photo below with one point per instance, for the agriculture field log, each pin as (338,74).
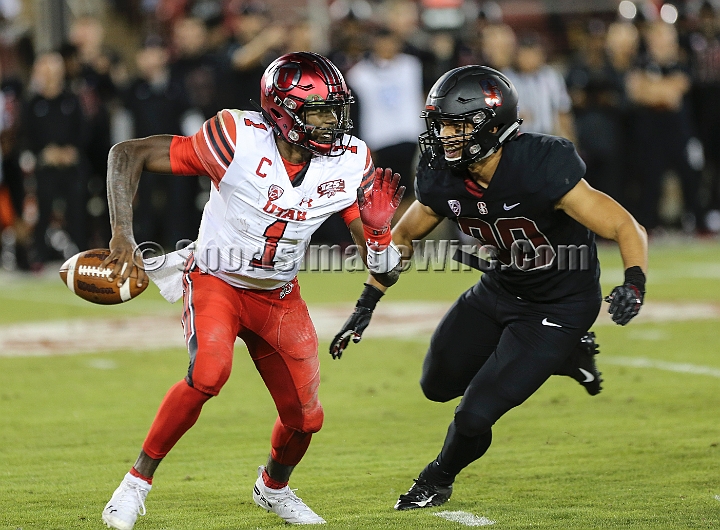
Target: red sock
(271,483)
(178,412)
(288,445)
(134,473)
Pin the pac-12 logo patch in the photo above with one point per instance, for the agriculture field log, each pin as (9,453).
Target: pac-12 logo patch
(493,94)
(331,187)
(275,192)
(482,208)
(454,206)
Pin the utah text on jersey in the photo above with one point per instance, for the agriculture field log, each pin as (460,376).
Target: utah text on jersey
(256,225)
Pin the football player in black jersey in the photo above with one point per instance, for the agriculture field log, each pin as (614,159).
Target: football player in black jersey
(524,198)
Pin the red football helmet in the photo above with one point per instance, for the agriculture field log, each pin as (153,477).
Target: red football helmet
(297,81)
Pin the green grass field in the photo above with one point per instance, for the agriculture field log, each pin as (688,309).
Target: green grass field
(643,454)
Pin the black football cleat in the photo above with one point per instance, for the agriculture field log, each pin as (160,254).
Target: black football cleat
(581,364)
(423,494)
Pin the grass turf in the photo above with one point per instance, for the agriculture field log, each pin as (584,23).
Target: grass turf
(643,454)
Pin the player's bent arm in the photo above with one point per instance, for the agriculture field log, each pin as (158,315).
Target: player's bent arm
(417,222)
(383,280)
(358,235)
(608,219)
(126,162)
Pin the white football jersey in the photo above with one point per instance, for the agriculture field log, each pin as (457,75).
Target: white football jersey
(256,225)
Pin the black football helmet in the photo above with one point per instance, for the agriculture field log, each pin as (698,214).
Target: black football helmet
(475,95)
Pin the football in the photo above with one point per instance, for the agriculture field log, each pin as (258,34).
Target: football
(83,276)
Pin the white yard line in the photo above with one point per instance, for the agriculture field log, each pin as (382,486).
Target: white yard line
(641,362)
(404,320)
(465,518)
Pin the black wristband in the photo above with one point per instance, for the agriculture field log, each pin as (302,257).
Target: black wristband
(635,276)
(369,297)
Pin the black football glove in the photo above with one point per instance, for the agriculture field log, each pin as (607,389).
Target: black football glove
(358,321)
(626,299)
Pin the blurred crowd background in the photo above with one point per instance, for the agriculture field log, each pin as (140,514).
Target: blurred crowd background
(636,86)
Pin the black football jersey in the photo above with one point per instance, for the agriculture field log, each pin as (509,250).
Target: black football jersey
(536,252)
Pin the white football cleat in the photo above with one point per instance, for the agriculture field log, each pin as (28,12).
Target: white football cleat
(126,503)
(284,503)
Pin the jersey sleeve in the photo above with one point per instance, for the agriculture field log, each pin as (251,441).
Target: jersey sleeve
(183,158)
(214,145)
(350,213)
(368,172)
(564,169)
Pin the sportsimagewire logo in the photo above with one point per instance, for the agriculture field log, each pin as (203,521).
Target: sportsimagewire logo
(436,255)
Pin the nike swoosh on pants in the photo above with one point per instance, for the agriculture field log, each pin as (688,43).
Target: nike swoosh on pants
(546,322)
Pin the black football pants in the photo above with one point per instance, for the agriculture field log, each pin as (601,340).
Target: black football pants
(495,351)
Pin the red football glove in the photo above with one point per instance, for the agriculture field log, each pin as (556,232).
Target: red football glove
(379,205)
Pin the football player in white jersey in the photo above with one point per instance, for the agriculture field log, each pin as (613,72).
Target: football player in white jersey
(277,174)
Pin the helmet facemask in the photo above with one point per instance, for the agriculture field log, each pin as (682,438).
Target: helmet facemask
(476,142)
(467,142)
(326,141)
(323,139)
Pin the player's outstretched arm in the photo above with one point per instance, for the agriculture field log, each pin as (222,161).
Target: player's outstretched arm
(377,208)
(126,162)
(608,219)
(417,222)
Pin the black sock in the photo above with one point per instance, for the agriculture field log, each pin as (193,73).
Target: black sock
(457,453)
(433,474)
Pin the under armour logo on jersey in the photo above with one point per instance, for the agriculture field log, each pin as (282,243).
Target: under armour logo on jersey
(306,201)
(275,192)
(482,208)
(331,187)
(286,290)
(454,206)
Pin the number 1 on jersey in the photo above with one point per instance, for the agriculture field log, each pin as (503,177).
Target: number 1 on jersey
(272,234)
